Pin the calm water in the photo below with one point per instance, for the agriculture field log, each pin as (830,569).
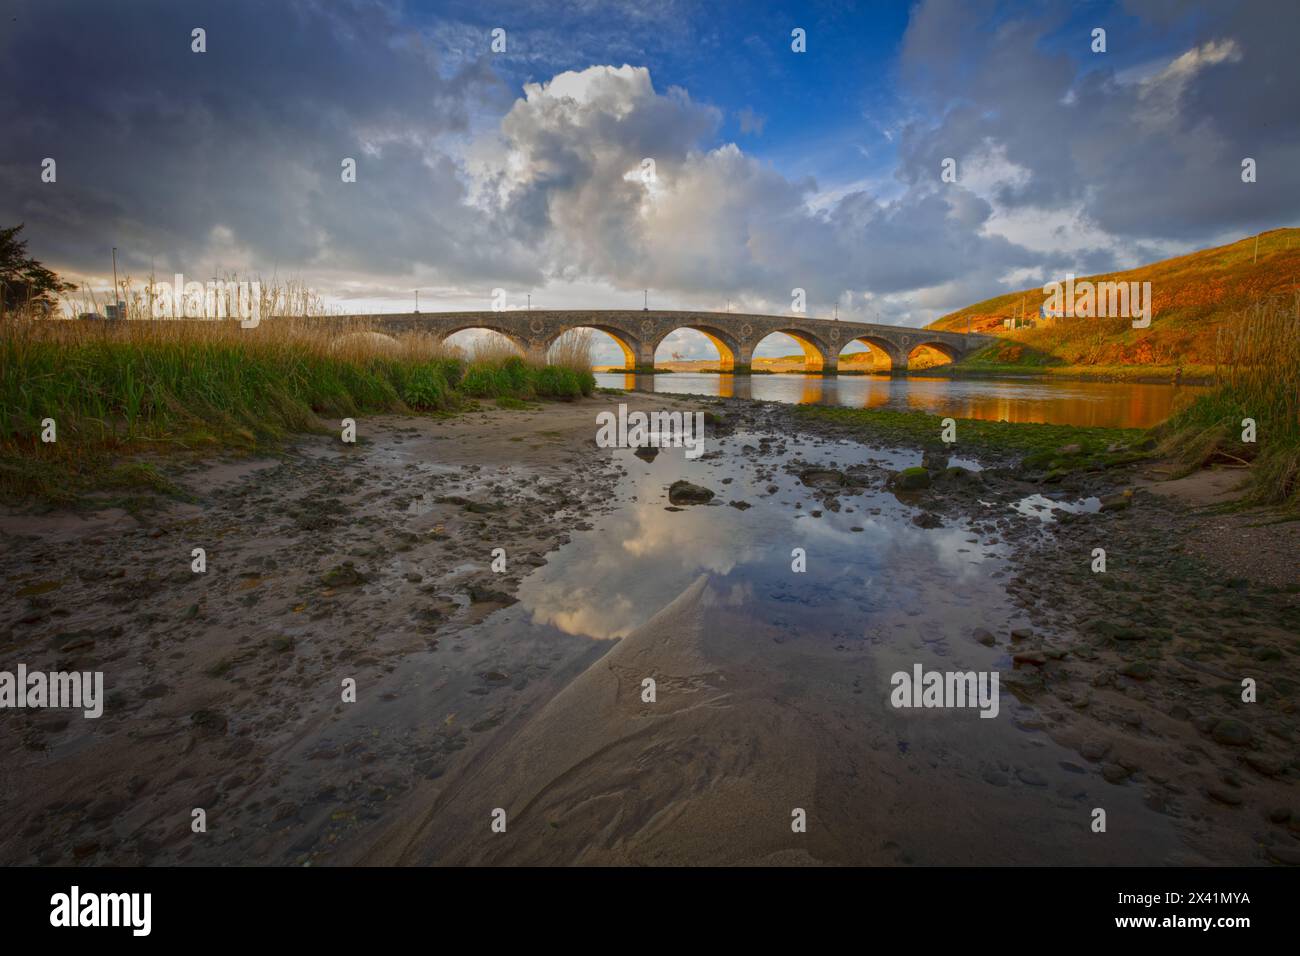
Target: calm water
(1110,404)
(806,659)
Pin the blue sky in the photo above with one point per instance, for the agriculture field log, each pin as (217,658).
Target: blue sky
(775,170)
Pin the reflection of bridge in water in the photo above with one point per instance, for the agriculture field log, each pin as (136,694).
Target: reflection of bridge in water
(639,333)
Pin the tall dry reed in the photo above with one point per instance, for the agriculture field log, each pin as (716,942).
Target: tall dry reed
(1257,378)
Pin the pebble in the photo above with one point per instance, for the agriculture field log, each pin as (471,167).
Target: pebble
(1031,777)
(1094,750)
(1226,797)
(1114,773)
(1289,855)
(1138,670)
(1231,732)
(1268,766)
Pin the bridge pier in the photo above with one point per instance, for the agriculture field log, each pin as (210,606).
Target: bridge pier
(744,358)
(645,357)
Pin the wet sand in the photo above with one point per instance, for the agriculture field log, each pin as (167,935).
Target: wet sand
(373,562)
(746,731)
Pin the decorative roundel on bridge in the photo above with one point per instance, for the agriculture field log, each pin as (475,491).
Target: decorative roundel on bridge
(907,339)
(835,335)
(647,325)
(538,326)
(746,330)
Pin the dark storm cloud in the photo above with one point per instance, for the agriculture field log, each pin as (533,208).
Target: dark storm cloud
(159,149)
(1155,156)
(472,172)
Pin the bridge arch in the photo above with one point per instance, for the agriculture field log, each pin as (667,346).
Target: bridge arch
(816,354)
(365,341)
(894,354)
(628,344)
(727,345)
(916,358)
(501,329)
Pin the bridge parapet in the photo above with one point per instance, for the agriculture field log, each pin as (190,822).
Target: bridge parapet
(639,332)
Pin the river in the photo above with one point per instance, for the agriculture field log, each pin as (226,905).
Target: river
(1059,402)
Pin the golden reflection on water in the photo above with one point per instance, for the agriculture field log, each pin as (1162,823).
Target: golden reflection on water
(1104,404)
(813,391)
(1109,404)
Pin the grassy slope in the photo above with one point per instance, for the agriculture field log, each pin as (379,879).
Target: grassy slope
(1193,296)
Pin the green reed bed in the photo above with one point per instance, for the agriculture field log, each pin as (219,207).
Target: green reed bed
(114,389)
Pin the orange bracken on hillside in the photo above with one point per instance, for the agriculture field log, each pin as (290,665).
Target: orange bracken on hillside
(1193,297)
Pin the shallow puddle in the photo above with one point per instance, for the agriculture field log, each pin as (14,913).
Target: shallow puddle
(813,650)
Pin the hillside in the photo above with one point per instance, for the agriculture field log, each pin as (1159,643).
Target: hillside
(1192,297)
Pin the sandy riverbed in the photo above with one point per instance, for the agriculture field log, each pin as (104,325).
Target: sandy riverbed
(372,562)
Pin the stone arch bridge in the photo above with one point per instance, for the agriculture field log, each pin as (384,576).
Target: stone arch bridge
(639,333)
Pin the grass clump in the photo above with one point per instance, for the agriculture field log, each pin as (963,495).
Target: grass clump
(1060,447)
(516,378)
(494,369)
(1258,378)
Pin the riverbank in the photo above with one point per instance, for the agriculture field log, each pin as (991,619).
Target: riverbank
(522,688)
(1135,374)
(325,561)
(79,398)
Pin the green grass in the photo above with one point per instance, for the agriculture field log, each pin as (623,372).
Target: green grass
(114,393)
(1259,380)
(1037,444)
(515,404)
(515,378)
(990,361)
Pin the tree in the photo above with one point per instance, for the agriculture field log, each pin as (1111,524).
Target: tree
(22,278)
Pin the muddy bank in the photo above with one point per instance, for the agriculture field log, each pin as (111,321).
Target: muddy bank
(1122,693)
(523,690)
(331,561)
